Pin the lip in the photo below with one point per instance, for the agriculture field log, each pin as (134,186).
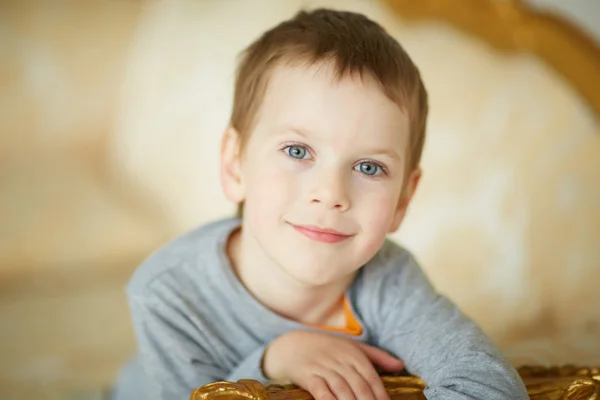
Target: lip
(318,234)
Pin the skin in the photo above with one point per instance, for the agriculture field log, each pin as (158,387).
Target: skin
(325,155)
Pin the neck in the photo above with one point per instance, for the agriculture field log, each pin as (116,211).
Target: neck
(278,291)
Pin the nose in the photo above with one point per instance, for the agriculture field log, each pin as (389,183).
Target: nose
(329,189)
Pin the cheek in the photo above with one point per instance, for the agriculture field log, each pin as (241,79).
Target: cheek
(375,222)
(269,189)
(377,210)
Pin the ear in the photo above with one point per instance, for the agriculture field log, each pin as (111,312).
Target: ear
(405,198)
(230,170)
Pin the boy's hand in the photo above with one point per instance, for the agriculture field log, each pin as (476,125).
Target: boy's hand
(329,367)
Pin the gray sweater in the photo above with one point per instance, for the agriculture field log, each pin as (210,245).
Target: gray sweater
(195,323)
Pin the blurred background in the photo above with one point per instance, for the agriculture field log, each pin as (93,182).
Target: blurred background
(110,118)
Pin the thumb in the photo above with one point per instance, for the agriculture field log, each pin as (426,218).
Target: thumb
(382,359)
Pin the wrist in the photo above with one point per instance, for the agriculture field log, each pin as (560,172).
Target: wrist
(268,365)
(263,370)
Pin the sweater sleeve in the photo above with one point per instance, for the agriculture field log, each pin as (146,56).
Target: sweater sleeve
(176,354)
(439,343)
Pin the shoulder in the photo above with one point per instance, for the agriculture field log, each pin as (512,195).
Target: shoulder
(393,266)
(391,280)
(183,259)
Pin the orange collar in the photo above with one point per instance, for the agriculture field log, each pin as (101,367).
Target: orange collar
(352,327)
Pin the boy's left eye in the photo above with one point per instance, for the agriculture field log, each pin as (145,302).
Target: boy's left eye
(369,168)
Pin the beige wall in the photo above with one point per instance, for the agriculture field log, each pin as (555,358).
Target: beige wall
(110,120)
(507,220)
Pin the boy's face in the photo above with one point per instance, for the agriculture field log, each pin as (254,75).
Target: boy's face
(321,174)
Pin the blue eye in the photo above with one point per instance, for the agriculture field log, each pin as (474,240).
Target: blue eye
(298,152)
(369,168)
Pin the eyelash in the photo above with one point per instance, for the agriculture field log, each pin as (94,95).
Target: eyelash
(384,170)
(294,144)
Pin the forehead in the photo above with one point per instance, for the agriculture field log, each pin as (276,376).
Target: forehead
(315,99)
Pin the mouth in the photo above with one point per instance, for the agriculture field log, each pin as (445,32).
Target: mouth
(319,234)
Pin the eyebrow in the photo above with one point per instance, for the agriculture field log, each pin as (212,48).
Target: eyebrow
(293,129)
(385,152)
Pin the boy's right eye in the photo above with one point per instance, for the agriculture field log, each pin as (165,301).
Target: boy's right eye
(295,151)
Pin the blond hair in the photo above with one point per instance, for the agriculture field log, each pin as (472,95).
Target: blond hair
(354,44)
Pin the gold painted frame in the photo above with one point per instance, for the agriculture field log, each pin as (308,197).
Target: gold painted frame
(511,25)
(557,383)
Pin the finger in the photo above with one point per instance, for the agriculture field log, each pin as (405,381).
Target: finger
(360,387)
(373,380)
(318,388)
(338,385)
(382,359)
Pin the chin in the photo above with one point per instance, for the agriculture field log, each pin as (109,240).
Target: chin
(312,281)
(312,274)
(307,274)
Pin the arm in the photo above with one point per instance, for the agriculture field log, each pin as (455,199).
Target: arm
(177,351)
(441,345)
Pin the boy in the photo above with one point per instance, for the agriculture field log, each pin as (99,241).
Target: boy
(322,153)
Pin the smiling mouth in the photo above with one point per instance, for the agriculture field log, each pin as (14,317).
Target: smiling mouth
(322,235)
